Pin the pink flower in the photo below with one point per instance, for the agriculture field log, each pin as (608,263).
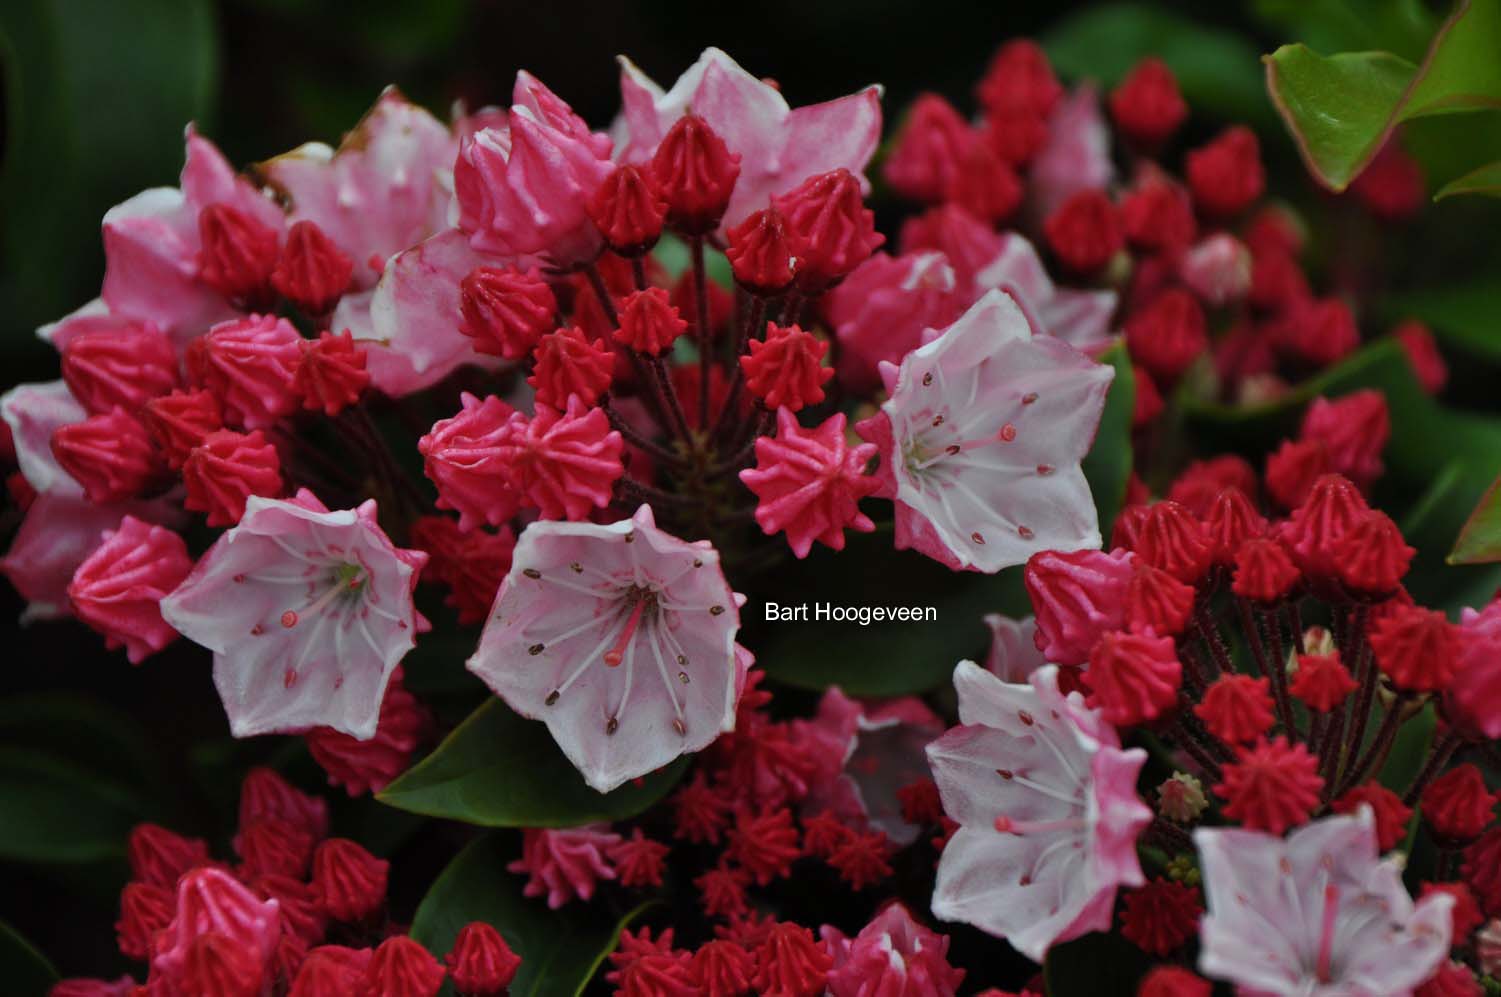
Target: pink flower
(810,482)
(525,190)
(565,463)
(211,901)
(125,367)
(1076,156)
(1354,430)
(380,192)
(1079,318)
(1013,655)
(621,638)
(892,956)
(1217,269)
(250,364)
(152,243)
(982,437)
(1077,596)
(565,864)
(33,412)
(779,146)
(1047,810)
(307,611)
(881,310)
(118,589)
(467,459)
(1317,913)
(865,754)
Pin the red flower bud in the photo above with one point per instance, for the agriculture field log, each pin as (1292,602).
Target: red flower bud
(145,909)
(1147,106)
(401,967)
(628,209)
(1237,708)
(1321,333)
(505,311)
(1157,215)
(1173,540)
(349,881)
(313,273)
(1084,232)
(1168,335)
(109,455)
(1133,678)
(1390,813)
(567,363)
(225,470)
(1457,805)
(696,173)
(830,229)
(760,253)
(159,856)
(238,253)
(1263,571)
(1019,79)
(1371,558)
(1417,648)
(332,373)
(119,368)
(786,368)
(1293,469)
(1230,522)
(648,322)
(250,364)
(1158,602)
(274,847)
(985,185)
(480,963)
(180,421)
(1226,175)
(1322,682)
(924,158)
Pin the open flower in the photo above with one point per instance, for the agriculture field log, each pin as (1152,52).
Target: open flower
(307,611)
(779,146)
(1047,810)
(1315,915)
(982,437)
(1079,318)
(621,638)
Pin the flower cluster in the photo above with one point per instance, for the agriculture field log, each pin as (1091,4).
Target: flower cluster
(297,912)
(489,360)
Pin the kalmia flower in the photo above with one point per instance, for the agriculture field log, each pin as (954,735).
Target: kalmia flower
(790,962)
(1217,269)
(119,368)
(350,883)
(480,963)
(829,229)
(893,954)
(696,173)
(1322,682)
(1034,779)
(648,322)
(109,455)
(809,483)
(1161,916)
(564,463)
(211,901)
(1418,649)
(160,856)
(223,471)
(1226,175)
(332,374)
(1354,430)
(1014,654)
(505,311)
(369,765)
(118,588)
(1294,916)
(1167,336)
(467,459)
(567,864)
(881,310)
(760,252)
(629,209)
(1387,810)
(312,272)
(238,252)
(1078,596)
(621,638)
(400,967)
(1146,105)
(1081,318)
(567,363)
(987,395)
(250,364)
(307,611)
(925,155)
(785,369)
(1085,232)
(1457,806)
(1133,678)
(1271,786)
(180,421)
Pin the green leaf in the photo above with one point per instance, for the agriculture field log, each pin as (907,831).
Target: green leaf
(1485,180)
(1480,539)
(1400,26)
(498,769)
(1409,750)
(1094,964)
(560,950)
(58,812)
(1108,465)
(1341,108)
(97,116)
(1464,316)
(1216,69)
(25,970)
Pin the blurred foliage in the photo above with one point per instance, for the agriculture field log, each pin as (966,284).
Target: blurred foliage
(1480,539)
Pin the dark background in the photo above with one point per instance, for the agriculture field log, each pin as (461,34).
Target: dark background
(95,97)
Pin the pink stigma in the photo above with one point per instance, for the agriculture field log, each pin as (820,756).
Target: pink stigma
(289,619)
(615,655)
(1326,934)
(1005,825)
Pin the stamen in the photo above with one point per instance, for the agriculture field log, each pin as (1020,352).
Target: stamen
(1005,825)
(1324,969)
(1005,434)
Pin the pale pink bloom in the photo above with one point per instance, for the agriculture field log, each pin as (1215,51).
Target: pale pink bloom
(864,754)
(210,900)
(1473,698)
(1047,810)
(1079,318)
(307,611)
(779,146)
(383,190)
(524,190)
(34,412)
(892,956)
(151,244)
(58,533)
(967,244)
(1217,269)
(1076,156)
(92,317)
(1318,914)
(982,437)
(621,638)
(1013,654)
(565,864)
(881,310)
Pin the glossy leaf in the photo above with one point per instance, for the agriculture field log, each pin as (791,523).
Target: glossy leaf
(498,769)
(1462,315)
(1342,108)
(1485,180)
(1480,539)
(1215,68)
(71,814)
(1400,26)
(560,950)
